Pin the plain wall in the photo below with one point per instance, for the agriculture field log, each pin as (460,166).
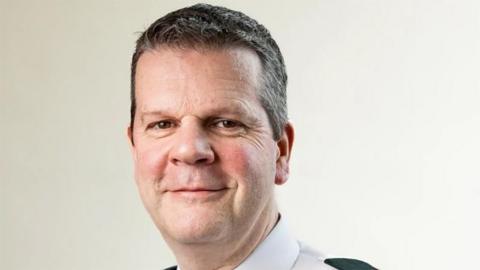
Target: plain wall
(385,99)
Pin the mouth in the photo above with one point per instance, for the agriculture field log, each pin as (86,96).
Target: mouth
(199,193)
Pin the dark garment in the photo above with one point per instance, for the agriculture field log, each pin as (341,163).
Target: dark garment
(348,264)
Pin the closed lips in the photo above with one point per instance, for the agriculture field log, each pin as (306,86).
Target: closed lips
(197,189)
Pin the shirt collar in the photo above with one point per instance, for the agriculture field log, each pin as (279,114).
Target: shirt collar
(278,251)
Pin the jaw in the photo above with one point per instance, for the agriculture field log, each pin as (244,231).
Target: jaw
(207,239)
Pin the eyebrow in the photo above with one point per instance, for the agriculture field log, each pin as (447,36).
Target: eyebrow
(147,113)
(234,108)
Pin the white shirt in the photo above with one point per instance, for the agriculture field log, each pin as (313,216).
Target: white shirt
(281,251)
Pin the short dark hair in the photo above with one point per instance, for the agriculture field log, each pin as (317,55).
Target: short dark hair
(207,26)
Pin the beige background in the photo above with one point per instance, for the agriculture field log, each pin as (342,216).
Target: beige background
(385,96)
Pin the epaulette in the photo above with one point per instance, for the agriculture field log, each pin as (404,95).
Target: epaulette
(348,264)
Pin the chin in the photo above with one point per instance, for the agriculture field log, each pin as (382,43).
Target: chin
(196,226)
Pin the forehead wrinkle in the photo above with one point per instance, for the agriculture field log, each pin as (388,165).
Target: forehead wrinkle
(169,110)
(206,108)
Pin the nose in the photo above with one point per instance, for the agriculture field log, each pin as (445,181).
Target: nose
(191,145)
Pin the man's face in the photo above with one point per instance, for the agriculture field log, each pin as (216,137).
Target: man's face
(205,159)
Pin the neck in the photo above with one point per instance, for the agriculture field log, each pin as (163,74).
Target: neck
(228,254)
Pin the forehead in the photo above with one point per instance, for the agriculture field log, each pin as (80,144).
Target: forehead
(197,74)
(163,63)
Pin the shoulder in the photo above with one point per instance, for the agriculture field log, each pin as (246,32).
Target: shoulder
(311,259)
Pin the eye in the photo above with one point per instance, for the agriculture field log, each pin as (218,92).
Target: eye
(225,123)
(164,124)
(228,127)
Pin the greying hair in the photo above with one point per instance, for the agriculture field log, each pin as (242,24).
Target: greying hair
(207,26)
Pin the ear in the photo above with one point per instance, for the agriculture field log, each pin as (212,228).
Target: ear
(284,145)
(130,142)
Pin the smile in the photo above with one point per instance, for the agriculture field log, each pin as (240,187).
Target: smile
(198,194)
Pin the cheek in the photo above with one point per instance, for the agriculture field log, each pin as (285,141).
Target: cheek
(235,159)
(249,166)
(150,163)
